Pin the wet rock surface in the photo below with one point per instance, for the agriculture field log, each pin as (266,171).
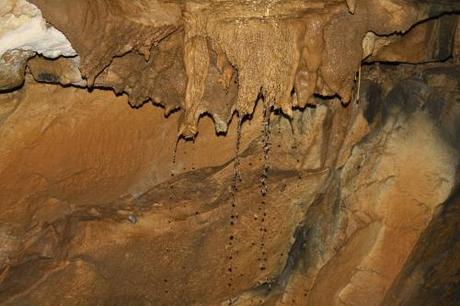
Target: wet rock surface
(217,57)
(94,211)
(325,171)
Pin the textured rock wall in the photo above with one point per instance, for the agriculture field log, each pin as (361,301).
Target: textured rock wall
(94,211)
(332,180)
(24,33)
(219,57)
(457,43)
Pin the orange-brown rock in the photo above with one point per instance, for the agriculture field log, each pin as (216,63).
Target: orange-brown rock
(94,211)
(321,174)
(61,70)
(115,28)
(285,51)
(426,42)
(12,69)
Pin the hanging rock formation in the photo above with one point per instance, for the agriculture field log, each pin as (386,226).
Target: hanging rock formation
(337,185)
(286,51)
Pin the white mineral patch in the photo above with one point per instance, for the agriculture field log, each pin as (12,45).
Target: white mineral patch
(22,27)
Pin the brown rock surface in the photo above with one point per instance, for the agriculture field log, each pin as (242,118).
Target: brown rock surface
(61,70)
(457,43)
(429,41)
(122,26)
(431,275)
(235,51)
(91,213)
(12,69)
(335,183)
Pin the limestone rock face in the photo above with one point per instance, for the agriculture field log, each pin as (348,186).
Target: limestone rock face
(24,33)
(13,65)
(426,42)
(23,28)
(219,57)
(321,175)
(95,211)
(456,48)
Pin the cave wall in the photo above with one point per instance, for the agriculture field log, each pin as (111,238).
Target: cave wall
(456,48)
(352,192)
(218,58)
(321,174)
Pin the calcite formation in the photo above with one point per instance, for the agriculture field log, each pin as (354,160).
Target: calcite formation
(218,57)
(23,28)
(24,33)
(326,171)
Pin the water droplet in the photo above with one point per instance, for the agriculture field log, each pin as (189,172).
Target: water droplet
(132,219)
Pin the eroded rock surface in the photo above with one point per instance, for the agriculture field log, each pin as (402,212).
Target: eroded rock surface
(333,180)
(218,57)
(96,207)
(24,33)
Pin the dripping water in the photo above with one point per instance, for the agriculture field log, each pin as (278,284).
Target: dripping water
(233,209)
(266,150)
(175,151)
(264,186)
(172,198)
(357,92)
(236,165)
(280,122)
(171,195)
